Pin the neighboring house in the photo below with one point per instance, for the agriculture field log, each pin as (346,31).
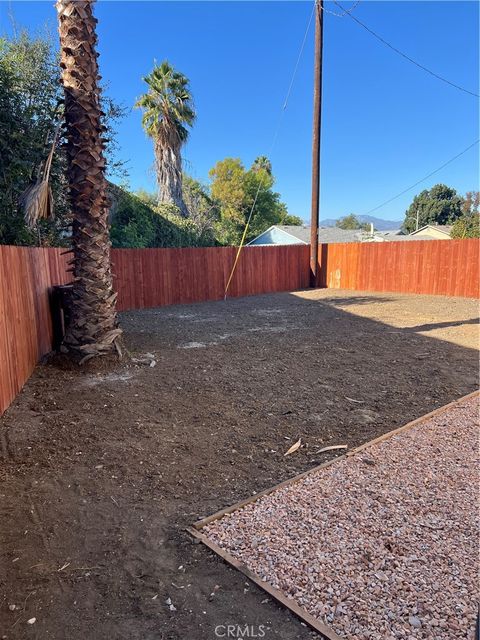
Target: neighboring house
(290,234)
(391,234)
(433,232)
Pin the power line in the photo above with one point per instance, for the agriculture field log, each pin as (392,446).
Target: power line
(423,179)
(292,80)
(274,141)
(404,55)
(345,11)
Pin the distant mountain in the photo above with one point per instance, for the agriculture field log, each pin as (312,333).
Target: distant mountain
(378,223)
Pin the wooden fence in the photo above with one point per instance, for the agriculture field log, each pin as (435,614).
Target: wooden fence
(157,277)
(26,274)
(437,267)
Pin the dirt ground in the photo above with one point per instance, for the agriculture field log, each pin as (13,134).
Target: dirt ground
(103,471)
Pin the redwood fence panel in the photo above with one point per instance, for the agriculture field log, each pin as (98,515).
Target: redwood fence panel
(438,267)
(158,277)
(26,275)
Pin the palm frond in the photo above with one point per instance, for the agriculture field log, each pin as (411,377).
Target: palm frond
(37,203)
(37,199)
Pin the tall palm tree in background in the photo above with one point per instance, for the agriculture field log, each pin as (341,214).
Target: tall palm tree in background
(93,326)
(168,111)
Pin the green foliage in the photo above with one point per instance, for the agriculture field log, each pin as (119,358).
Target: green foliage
(29,97)
(292,220)
(168,104)
(352,222)
(136,224)
(148,198)
(467,226)
(439,205)
(237,190)
(262,162)
(471,203)
(30,110)
(203,212)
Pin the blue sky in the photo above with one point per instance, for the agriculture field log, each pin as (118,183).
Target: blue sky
(386,123)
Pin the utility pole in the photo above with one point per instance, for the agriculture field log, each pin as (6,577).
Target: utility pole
(317,123)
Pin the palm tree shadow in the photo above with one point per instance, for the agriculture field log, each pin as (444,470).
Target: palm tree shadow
(441,325)
(354,300)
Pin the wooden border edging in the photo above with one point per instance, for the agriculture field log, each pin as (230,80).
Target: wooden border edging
(327,633)
(314,623)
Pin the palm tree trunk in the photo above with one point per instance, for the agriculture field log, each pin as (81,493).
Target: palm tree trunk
(93,328)
(168,162)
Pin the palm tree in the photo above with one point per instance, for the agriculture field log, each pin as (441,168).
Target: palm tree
(262,162)
(93,328)
(168,111)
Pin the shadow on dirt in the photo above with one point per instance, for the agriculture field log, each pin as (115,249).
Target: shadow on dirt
(443,325)
(354,300)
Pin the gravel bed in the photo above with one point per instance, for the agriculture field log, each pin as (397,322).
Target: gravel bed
(382,545)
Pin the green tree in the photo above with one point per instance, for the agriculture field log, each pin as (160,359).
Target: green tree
(293,221)
(439,205)
(30,112)
(468,226)
(202,210)
(167,113)
(237,190)
(352,222)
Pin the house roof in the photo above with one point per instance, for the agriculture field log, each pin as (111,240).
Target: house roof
(409,238)
(391,232)
(331,235)
(300,232)
(443,228)
(325,234)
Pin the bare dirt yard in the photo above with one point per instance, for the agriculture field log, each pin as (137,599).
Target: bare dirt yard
(102,471)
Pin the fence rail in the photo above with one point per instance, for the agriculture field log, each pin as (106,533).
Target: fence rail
(157,277)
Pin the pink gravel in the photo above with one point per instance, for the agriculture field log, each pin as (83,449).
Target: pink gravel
(381,545)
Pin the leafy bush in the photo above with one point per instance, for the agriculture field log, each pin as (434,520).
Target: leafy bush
(136,224)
